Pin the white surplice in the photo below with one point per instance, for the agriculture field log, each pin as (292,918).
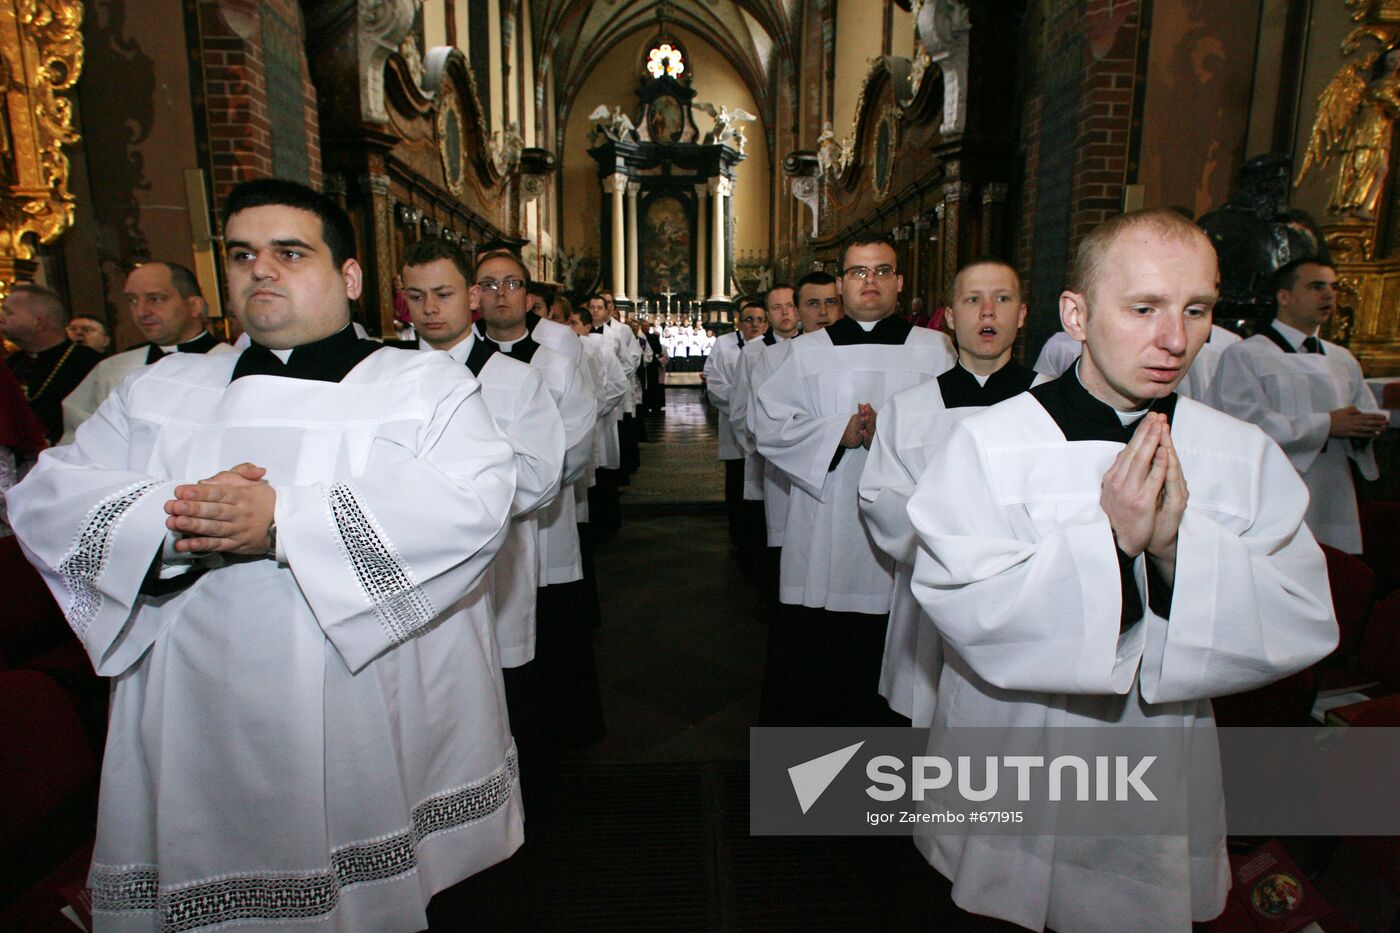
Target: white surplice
(799,415)
(1202,372)
(619,339)
(1289,395)
(1018,570)
(720,373)
(102,380)
(776,486)
(1058,354)
(913,426)
(522,407)
(740,403)
(316,744)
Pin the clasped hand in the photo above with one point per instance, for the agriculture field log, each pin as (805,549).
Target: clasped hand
(860,430)
(229,512)
(1144,493)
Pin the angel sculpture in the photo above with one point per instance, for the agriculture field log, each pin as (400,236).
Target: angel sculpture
(828,150)
(724,118)
(505,149)
(1355,117)
(614,124)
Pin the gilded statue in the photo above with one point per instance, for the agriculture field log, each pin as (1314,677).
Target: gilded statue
(1355,123)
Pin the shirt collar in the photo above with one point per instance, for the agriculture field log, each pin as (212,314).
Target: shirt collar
(1293,335)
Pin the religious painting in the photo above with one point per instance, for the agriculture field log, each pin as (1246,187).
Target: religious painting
(449,132)
(883,161)
(666,121)
(666,247)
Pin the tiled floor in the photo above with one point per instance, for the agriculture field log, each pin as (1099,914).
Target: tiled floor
(680,461)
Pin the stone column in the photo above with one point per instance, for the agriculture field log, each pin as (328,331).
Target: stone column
(702,200)
(633,189)
(720,187)
(616,185)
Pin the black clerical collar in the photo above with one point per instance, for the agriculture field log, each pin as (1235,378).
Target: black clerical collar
(960,388)
(769,337)
(741,339)
(329,359)
(201,344)
(890,331)
(598,329)
(1081,417)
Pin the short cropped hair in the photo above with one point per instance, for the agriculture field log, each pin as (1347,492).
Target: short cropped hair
(336,228)
(184,280)
(593,296)
(483,258)
(868,239)
(1286,278)
(48,302)
(583,313)
(985,261)
(544,292)
(1089,256)
(814,278)
(767,296)
(435,248)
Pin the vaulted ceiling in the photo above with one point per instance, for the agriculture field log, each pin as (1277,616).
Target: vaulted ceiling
(574,34)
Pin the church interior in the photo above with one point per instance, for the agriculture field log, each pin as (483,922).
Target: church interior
(681,156)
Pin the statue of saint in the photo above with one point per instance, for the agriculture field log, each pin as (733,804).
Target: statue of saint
(1355,122)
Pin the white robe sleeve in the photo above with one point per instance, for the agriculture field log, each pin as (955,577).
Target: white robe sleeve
(614,384)
(886,485)
(536,434)
(1247,609)
(718,382)
(791,434)
(379,557)
(92,526)
(1025,615)
(1363,398)
(1238,390)
(739,402)
(577,406)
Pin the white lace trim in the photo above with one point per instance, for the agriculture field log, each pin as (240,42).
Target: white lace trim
(401,605)
(87,557)
(279,897)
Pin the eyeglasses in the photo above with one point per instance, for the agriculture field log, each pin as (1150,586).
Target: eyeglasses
(863,272)
(753,320)
(510,285)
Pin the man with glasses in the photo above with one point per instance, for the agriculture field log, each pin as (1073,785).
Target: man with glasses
(815,419)
(721,372)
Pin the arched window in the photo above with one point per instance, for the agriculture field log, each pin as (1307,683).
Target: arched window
(665,59)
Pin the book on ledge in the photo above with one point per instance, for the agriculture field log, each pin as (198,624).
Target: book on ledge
(1382,711)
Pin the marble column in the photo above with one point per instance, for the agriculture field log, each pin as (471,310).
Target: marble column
(702,200)
(633,189)
(721,188)
(616,185)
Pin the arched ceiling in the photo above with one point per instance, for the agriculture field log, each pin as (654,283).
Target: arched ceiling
(574,34)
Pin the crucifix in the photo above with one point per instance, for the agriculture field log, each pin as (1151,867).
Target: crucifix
(668,293)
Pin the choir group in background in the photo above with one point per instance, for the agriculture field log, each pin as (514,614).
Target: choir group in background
(344,589)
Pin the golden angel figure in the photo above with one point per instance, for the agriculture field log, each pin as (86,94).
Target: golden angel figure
(1355,122)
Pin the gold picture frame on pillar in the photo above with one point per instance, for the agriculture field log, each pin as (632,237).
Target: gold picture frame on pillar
(451,135)
(886,140)
(41,50)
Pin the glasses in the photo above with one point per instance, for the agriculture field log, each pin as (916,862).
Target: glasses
(510,285)
(864,272)
(753,320)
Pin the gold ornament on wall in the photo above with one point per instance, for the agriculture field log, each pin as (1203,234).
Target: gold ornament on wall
(1354,125)
(41,54)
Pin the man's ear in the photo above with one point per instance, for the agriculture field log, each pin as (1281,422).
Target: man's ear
(1074,314)
(354,279)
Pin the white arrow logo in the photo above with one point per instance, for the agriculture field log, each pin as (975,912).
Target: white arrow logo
(811,778)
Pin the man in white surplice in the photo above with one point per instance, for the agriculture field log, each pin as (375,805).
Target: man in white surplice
(815,419)
(1308,395)
(1075,581)
(986,311)
(171,314)
(721,380)
(439,288)
(268,552)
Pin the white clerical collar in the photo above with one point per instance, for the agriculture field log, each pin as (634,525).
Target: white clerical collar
(866,326)
(507,345)
(1293,335)
(981,379)
(283,355)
